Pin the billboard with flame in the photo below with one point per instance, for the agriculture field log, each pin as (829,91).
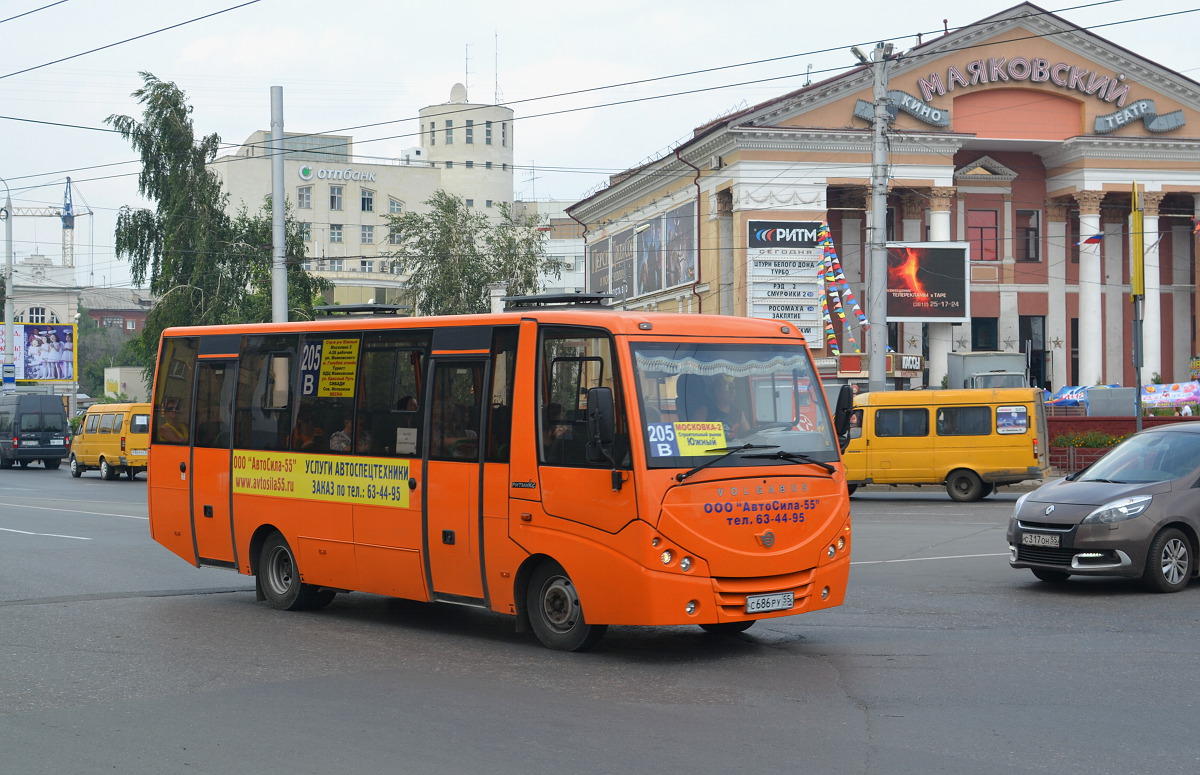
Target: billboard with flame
(927,282)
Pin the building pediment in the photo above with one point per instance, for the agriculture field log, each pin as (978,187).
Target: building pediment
(984,169)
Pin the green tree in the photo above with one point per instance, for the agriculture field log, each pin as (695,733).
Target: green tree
(99,347)
(452,253)
(205,266)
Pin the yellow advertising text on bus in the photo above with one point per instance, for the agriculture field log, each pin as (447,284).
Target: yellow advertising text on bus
(970,441)
(574,468)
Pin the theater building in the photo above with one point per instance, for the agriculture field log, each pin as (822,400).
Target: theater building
(1021,135)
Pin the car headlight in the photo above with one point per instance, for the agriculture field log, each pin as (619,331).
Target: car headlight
(1119,510)
(1020,502)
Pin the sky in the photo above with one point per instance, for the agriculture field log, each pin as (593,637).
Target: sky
(644,75)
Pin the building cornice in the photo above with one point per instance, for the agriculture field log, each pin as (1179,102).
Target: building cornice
(1142,149)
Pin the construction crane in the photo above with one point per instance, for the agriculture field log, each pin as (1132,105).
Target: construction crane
(67,214)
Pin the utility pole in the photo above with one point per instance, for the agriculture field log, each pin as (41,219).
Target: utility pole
(876,274)
(1137,294)
(279,299)
(8,378)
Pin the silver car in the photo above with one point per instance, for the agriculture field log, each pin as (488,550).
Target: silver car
(1133,513)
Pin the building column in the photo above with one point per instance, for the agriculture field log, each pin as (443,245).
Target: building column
(1115,227)
(1090,344)
(1152,310)
(940,334)
(912,210)
(1058,323)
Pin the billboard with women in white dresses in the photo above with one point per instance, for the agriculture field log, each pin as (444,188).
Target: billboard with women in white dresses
(43,351)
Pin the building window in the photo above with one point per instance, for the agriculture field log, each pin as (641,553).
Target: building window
(470,132)
(304,198)
(470,203)
(1027,233)
(366,265)
(335,232)
(983,233)
(449,165)
(395,206)
(449,132)
(488,203)
(108,322)
(368,201)
(470,165)
(487,133)
(504,134)
(985,334)
(393,238)
(335,197)
(368,234)
(131,325)
(333,264)
(433,133)
(487,165)
(305,231)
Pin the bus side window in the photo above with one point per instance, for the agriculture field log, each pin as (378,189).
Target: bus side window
(574,360)
(263,405)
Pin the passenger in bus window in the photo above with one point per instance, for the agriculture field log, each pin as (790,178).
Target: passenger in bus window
(307,435)
(407,404)
(724,406)
(339,441)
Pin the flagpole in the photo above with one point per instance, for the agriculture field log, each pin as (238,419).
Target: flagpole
(1137,289)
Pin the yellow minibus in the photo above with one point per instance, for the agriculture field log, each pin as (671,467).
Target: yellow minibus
(969,441)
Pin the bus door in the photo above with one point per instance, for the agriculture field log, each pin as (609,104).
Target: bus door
(211,494)
(452,490)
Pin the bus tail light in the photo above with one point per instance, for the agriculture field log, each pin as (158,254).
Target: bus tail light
(122,443)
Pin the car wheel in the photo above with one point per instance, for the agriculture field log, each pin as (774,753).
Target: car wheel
(279,577)
(52,463)
(1169,562)
(5,462)
(76,469)
(555,613)
(107,471)
(988,489)
(727,628)
(1051,576)
(964,485)
(24,463)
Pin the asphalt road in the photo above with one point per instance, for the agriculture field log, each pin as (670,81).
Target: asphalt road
(119,657)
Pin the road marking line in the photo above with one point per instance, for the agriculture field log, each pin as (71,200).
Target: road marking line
(923,559)
(43,535)
(72,511)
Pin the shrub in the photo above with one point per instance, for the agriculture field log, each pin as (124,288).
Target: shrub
(1090,439)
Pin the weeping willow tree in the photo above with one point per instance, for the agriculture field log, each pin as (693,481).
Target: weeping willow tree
(204,265)
(451,254)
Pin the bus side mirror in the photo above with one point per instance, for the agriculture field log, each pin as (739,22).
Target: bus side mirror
(842,410)
(601,416)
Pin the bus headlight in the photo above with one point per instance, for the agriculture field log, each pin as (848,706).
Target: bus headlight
(667,557)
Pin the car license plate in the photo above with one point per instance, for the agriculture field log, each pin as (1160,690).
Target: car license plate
(781,601)
(56,442)
(1039,539)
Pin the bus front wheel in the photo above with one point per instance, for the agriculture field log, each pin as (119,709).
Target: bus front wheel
(555,613)
(279,577)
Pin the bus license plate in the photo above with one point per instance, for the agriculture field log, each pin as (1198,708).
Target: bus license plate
(781,601)
(1038,539)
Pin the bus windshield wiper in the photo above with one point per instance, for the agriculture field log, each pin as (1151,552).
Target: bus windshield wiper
(798,457)
(727,451)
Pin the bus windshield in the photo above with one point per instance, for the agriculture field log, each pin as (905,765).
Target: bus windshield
(696,399)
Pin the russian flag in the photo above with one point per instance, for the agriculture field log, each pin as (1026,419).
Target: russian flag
(1093,240)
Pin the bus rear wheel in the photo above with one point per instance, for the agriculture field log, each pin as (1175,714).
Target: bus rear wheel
(555,613)
(964,485)
(279,577)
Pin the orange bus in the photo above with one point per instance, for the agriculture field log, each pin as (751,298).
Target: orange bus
(570,465)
